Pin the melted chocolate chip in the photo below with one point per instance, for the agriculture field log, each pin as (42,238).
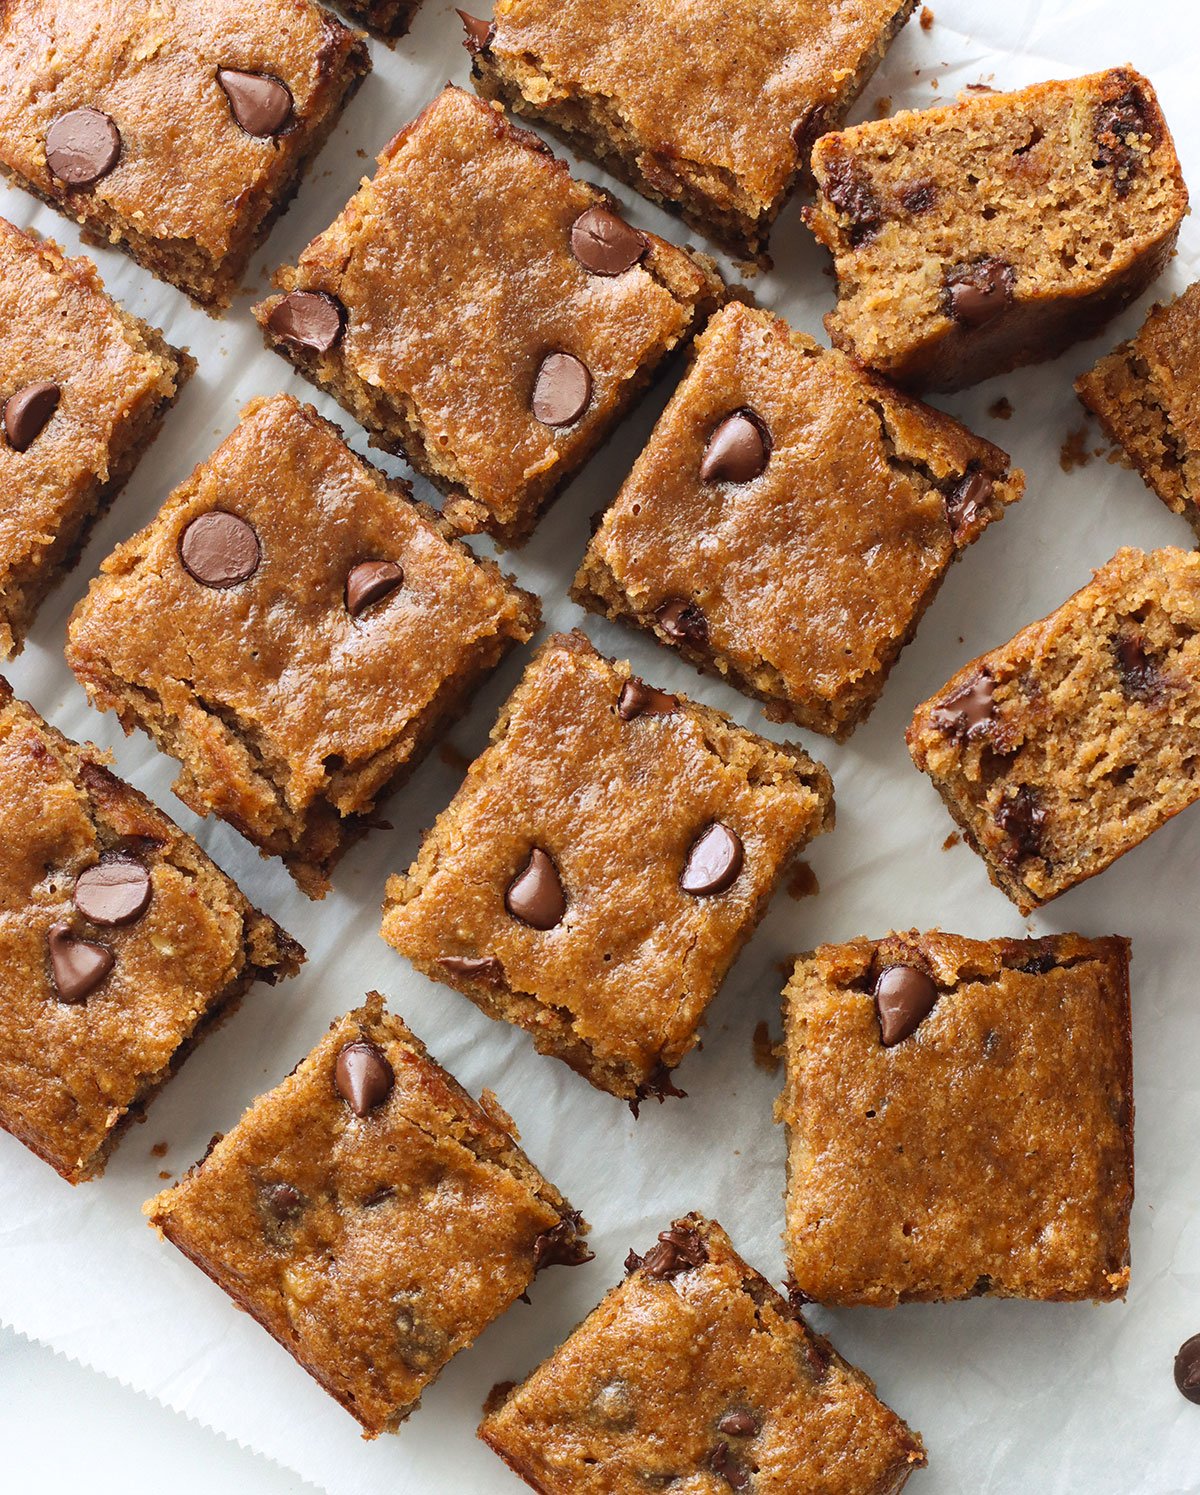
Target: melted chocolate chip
(853,198)
(604,243)
(219,549)
(472,967)
(370,582)
(976,294)
(722,1462)
(714,861)
(657,1087)
(479,33)
(737,1425)
(1123,128)
(639,699)
(562,390)
(1187,1369)
(796,1296)
(283,1202)
(919,197)
(677,1250)
(115,891)
(27,413)
(313,320)
(683,622)
(561,1245)
(77,966)
(1140,680)
(535,896)
(363,1076)
(422,1345)
(968,712)
(82,146)
(968,499)
(262,105)
(1022,820)
(737,450)
(904,996)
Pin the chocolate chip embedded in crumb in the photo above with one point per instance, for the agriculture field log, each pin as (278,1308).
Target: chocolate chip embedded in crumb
(115,891)
(535,896)
(219,550)
(562,390)
(677,1250)
(659,1085)
(370,582)
(77,966)
(722,1462)
(604,243)
(968,712)
(261,105)
(639,699)
(737,450)
(1124,134)
(472,967)
(683,622)
(904,997)
(283,1202)
(312,320)
(737,1425)
(969,499)
(1187,1369)
(82,146)
(479,34)
(714,861)
(918,197)
(1140,679)
(1022,819)
(421,1344)
(854,199)
(363,1076)
(974,295)
(562,1245)
(27,413)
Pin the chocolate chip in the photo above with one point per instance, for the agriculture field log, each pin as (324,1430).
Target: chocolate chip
(738,1425)
(370,582)
(968,712)
(604,243)
(633,1262)
(309,319)
(904,995)
(76,966)
(722,1462)
(1140,679)
(27,413)
(114,891)
(796,1296)
(714,861)
(976,294)
(1187,1369)
(422,1344)
(968,500)
(262,105)
(737,450)
(919,197)
(561,390)
(378,1195)
(639,699)
(561,1245)
(677,1250)
(282,1202)
(535,896)
(219,549)
(659,1085)
(683,621)
(82,146)
(363,1076)
(816,1358)
(476,968)
(853,198)
(1022,819)
(479,33)
(1119,122)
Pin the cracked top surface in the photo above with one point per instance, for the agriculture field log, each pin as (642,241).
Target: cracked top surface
(812,574)
(373,1247)
(275,665)
(990,1151)
(667,1371)
(628,970)
(68,1071)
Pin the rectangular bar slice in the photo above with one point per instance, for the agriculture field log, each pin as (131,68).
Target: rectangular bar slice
(790,520)
(603,863)
(997,231)
(371,1216)
(1146,395)
(120,945)
(482,313)
(84,387)
(960,1119)
(177,132)
(295,630)
(696,1374)
(711,110)
(1064,748)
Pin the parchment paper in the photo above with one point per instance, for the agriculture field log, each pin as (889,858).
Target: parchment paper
(1011,1397)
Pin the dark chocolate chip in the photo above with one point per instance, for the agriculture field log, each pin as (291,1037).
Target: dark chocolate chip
(262,105)
(604,243)
(314,320)
(1022,819)
(561,390)
(378,1195)
(1187,1369)
(639,699)
(562,1245)
(968,712)
(714,861)
(114,891)
(82,146)
(1118,122)
(968,499)
(904,996)
(219,549)
(683,621)
(796,1296)
(677,1250)
(422,1344)
(737,1425)
(27,413)
(363,1076)
(473,967)
(853,198)
(976,294)
(1140,679)
(816,1358)
(535,896)
(77,966)
(632,1262)
(479,34)
(370,582)
(657,1087)
(737,450)
(722,1462)
(283,1202)
(919,197)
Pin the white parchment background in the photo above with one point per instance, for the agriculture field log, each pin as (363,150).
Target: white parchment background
(1011,1397)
